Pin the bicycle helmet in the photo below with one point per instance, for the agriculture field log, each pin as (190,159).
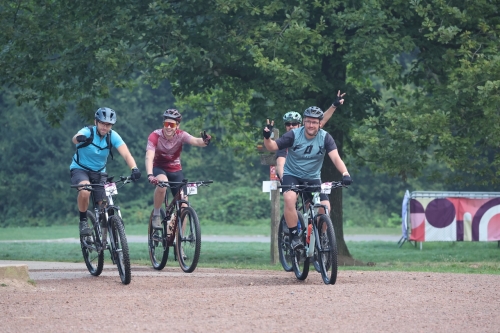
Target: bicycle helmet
(313,112)
(172,114)
(292,116)
(105,115)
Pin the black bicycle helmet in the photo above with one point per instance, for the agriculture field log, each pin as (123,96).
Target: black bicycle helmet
(172,114)
(313,112)
(105,115)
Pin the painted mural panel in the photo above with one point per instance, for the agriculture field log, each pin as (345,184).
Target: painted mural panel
(454,219)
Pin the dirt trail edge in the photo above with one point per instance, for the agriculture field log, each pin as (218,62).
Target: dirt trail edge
(70,299)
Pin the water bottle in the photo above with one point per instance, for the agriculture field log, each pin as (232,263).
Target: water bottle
(299,228)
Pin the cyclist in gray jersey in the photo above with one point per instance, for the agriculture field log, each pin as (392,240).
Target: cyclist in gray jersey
(307,147)
(293,120)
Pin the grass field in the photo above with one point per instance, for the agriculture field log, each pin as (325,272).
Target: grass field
(456,257)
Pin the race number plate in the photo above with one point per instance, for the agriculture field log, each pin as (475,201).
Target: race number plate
(326,188)
(110,189)
(192,189)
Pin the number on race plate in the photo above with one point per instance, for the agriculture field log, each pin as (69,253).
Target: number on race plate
(326,188)
(192,189)
(110,189)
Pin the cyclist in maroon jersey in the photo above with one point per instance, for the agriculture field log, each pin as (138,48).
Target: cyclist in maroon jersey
(163,157)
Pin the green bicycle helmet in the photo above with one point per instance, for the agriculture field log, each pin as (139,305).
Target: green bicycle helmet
(292,116)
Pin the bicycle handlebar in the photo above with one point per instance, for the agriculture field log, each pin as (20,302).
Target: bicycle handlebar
(303,187)
(184,182)
(90,187)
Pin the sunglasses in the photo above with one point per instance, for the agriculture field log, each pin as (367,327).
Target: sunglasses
(105,124)
(170,125)
(291,124)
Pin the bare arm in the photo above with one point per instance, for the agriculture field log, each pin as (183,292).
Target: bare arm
(197,142)
(150,155)
(123,150)
(271,145)
(337,161)
(280,163)
(329,113)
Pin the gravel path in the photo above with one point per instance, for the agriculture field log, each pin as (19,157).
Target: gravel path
(67,298)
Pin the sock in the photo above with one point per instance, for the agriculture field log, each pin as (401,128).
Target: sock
(293,231)
(83,216)
(156,211)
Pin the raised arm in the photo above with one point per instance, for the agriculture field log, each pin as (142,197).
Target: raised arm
(339,100)
(270,144)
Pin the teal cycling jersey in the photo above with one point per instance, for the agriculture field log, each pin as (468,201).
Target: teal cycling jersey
(305,156)
(94,156)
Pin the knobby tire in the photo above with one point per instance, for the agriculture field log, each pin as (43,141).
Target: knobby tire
(157,244)
(119,248)
(327,250)
(300,260)
(93,259)
(188,241)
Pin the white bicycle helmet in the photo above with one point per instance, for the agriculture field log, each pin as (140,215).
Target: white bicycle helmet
(292,116)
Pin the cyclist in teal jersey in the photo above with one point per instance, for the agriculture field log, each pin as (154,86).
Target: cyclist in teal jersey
(93,146)
(293,120)
(307,147)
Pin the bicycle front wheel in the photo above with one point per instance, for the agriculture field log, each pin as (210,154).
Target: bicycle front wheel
(119,248)
(327,250)
(300,261)
(157,243)
(94,259)
(188,242)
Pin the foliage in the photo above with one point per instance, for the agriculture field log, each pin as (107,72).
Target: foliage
(239,62)
(223,202)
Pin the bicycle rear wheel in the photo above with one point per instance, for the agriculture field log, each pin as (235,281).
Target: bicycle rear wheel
(157,243)
(119,248)
(93,259)
(327,250)
(300,261)
(188,242)
(284,249)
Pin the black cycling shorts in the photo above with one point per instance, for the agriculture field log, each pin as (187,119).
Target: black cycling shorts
(289,180)
(176,176)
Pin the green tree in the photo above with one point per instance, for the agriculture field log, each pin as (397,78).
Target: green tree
(239,62)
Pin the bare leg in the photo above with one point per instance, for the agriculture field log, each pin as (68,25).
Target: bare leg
(291,218)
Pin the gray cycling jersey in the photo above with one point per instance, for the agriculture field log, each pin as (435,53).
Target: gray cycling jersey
(305,157)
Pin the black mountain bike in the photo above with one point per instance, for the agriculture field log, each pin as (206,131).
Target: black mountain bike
(317,234)
(109,233)
(180,229)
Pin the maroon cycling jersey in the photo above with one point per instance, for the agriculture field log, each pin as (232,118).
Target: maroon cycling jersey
(167,151)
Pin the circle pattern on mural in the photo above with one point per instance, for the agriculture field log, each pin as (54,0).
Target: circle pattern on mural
(440,213)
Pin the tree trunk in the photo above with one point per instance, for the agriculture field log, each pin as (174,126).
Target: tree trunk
(330,173)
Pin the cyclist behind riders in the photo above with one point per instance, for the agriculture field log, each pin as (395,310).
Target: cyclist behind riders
(293,120)
(163,157)
(93,146)
(303,164)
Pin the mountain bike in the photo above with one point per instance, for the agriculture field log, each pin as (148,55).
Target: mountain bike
(180,228)
(106,217)
(284,248)
(317,234)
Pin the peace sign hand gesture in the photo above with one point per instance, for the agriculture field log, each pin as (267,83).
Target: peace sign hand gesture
(339,100)
(268,129)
